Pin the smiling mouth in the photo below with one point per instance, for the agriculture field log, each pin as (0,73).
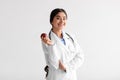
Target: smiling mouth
(61,24)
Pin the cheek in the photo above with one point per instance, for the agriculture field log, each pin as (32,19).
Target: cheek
(55,22)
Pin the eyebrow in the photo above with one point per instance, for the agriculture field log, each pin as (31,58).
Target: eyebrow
(59,16)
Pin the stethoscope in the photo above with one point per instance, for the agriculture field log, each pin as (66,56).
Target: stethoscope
(65,33)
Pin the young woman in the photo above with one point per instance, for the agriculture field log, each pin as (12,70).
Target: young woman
(62,51)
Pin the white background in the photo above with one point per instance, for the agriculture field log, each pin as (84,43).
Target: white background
(96,22)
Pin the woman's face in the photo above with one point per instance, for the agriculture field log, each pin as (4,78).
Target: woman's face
(59,21)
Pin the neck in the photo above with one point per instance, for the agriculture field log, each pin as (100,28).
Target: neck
(58,33)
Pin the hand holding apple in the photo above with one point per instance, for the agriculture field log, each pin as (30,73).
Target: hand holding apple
(46,39)
(43,35)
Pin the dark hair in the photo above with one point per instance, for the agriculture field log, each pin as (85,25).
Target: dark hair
(55,12)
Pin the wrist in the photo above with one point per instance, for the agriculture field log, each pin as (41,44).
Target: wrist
(51,43)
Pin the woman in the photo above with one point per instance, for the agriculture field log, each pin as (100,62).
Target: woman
(62,51)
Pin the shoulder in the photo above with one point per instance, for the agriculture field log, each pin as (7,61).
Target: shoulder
(75,36)
(71,34)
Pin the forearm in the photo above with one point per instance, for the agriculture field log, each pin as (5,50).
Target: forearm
(75,63)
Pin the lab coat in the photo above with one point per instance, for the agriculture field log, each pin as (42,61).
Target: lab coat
(70,54)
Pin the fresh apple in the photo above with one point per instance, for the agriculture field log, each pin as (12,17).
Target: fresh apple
(43,35)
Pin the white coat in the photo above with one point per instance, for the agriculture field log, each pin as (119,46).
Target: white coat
(70,54)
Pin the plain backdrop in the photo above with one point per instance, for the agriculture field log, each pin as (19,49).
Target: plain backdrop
(95,22)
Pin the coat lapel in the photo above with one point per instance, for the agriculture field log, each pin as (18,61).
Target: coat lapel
(67,51)
(56,40)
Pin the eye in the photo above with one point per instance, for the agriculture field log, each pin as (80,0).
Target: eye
(64,18)
(57,18)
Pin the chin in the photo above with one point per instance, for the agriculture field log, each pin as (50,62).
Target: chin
(61,26)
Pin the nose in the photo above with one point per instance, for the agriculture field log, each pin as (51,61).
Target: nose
(61,20)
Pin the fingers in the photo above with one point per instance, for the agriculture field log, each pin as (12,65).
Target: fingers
(61,66)
(45,40)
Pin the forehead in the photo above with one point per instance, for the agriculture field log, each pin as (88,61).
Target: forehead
(61,14)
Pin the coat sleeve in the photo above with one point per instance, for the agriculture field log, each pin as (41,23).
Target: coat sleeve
(51,55)
(78,60)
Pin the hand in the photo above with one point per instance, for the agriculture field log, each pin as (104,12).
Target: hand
(46,39)
(61,66)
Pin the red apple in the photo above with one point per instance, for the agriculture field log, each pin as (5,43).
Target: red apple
(43,35)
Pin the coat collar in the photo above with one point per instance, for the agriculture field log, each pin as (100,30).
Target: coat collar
(64,35)
(57,40)
(54,37)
